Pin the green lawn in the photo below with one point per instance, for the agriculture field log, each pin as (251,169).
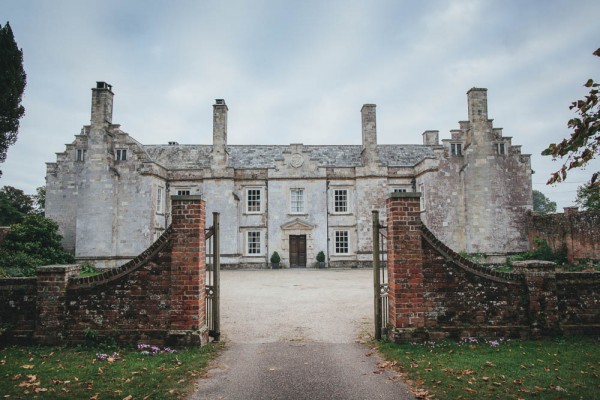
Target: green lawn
(566,368)
(88,373)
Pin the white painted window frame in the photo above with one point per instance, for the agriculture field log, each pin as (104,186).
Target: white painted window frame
(248,199)
(341,242)
(296,200)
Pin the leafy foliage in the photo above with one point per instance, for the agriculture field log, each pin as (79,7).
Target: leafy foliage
(39,198)
(14,205)
(588,197)
(543,252)
(542,204)
(12,85)
(321,257)
(275,257)
(30,244)
(584,143)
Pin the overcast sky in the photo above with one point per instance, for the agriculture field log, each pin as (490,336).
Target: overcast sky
(299,71)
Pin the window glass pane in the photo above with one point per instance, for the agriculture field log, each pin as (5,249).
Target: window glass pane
(183,192)
(121,154)
(253,242)
(297,199)
(399,190)
(253,200)
(340,200)
(159,200)
(341,242)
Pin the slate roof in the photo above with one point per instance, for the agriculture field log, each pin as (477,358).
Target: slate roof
(264,156)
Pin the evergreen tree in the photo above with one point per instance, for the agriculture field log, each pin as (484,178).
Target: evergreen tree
(12,85)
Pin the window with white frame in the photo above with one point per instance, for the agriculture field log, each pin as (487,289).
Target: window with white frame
(342,242)
(253,200)
(159,200)
(456,149)
(297,201)
(80,155)
(183,192)
(399,190)
(121,155)
(253,243)
(501,149)
(340,200)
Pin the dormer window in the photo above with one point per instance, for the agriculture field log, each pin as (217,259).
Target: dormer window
(501,149)
(121,155)
(456,149)
(80,155)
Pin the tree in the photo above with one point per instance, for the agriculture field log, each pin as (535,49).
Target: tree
(12,86)
(584,143)
(14,205)
(31,244)
(542,204)
(39,198)
(588,197)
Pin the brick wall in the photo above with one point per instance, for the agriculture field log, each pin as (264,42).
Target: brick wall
(435,293)
(577,232)
(158,297)
(17,309)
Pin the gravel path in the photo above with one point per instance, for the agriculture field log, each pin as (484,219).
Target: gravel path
(296,334)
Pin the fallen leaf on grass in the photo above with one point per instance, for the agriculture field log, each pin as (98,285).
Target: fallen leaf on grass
(468,389)
(128,397)
(38,390)
(95,397)
(27,366)
(490,364)
(485,378)
(17,377)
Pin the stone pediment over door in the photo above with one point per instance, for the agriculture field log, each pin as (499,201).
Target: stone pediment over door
(297,225)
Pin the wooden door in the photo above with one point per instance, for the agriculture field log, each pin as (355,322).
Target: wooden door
(297,251)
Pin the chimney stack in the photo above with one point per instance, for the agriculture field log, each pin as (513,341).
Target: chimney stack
(219,150)
(102,105)
(369,134)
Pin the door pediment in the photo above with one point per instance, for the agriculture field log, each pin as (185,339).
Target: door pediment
(298,225)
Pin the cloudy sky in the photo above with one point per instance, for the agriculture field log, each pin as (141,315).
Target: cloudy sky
(299,71)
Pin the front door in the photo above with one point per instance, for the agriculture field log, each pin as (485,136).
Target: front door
(297,251)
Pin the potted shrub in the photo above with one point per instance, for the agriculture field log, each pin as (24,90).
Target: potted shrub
(321,259)
(275,260)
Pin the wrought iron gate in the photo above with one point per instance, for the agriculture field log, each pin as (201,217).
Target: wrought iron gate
(380,277)
(213,270)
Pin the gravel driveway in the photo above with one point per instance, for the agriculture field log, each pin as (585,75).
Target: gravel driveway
(265,306)
(296,334)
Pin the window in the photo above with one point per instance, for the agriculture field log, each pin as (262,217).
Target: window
(456,149)
(121,154)
(183,192)
(422,200)
(159,200)
(341,242)
(80,155)
(253,243)
(297,201)
(501,148)
(253,200)
(399,190)
(340,200)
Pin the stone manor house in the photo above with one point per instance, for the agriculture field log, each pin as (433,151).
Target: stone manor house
(111,195)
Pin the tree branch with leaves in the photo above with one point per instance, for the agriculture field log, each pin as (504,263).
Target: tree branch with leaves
(584,143)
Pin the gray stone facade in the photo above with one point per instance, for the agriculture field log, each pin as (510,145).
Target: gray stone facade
(111,195)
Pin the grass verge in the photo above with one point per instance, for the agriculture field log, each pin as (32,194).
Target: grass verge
(565,368)
(90,373)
